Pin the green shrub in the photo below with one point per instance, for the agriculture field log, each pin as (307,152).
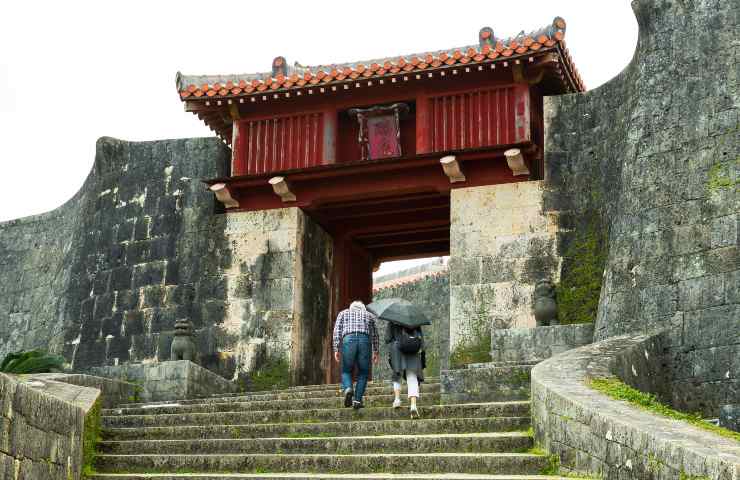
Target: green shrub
(32,361)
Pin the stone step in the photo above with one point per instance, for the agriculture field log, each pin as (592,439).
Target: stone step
(378,427)
(285,395)
(299,404)
(316,476)
(474,410)
(499,463)
(334,386)
(451,442)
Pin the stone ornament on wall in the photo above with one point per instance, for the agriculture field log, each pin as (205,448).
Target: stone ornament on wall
(544,305)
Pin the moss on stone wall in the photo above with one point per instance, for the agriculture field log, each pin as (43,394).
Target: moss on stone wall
(90,439)
(721,177)
(618,390)
(475,346)
(583,271)
(273,375)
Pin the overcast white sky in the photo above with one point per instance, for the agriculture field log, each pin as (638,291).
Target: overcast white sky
(73,71)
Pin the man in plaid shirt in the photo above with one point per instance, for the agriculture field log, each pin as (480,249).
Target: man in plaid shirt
(355,330)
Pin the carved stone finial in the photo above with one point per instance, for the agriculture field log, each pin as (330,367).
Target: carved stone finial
(183,347)
(545,307)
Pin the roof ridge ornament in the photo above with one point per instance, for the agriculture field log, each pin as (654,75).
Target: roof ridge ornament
(486,37)
(279,67)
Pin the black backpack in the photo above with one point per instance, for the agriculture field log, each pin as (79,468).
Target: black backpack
(409,341)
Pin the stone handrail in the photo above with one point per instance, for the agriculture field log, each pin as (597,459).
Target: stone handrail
(44,421)
(593,433)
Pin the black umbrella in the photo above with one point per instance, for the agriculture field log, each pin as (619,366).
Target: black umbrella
(399,311)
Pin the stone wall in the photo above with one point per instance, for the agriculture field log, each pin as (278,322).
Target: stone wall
(171,380)
(497,257)
(485,382)
(112,392)
(612,439)
(670,366)
(655,154)
(42,425)
(114,285)
(312,323)
(34,278)
(431,295)
(729,417)
(103,278)
(532,345)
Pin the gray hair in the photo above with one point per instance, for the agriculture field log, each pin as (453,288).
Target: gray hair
(357,305)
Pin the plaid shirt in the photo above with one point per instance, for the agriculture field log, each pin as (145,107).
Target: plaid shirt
(355,320)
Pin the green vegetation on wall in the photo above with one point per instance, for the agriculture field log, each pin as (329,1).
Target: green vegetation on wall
(475,347)
(90,439)
(32,361)
(274,374)
(615,388)
(720,176)
(580,284)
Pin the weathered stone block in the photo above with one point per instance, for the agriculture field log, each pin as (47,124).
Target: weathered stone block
(485,383)
(148,274)
(165,381)
(532,345)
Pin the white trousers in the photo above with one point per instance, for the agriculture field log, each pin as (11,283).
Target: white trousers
(412,382)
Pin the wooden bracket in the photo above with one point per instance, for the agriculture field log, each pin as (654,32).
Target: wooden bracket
(282,189)
(223,195)
(452,169)
(516,162)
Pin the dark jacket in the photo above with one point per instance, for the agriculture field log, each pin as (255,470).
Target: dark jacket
(401,362)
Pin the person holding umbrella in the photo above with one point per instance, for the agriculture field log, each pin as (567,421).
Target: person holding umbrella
(406,346)
(355,329)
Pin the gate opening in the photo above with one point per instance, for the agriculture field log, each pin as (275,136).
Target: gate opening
(371,231)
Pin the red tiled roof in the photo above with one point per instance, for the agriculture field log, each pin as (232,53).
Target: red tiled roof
(285,78)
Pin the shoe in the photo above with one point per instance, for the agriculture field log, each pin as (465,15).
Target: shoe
(357,405)
(397,403)
(348,393)
(414,412)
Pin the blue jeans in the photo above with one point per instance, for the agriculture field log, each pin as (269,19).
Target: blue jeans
(356,350)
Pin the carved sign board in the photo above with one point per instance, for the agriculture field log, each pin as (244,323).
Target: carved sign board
(380,130)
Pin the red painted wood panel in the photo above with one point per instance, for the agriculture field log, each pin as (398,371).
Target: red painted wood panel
(279,143)
(479,118)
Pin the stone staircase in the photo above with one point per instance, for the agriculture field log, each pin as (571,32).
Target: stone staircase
(305,432)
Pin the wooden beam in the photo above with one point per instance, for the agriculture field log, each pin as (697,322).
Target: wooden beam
(412,251)
(418,241)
